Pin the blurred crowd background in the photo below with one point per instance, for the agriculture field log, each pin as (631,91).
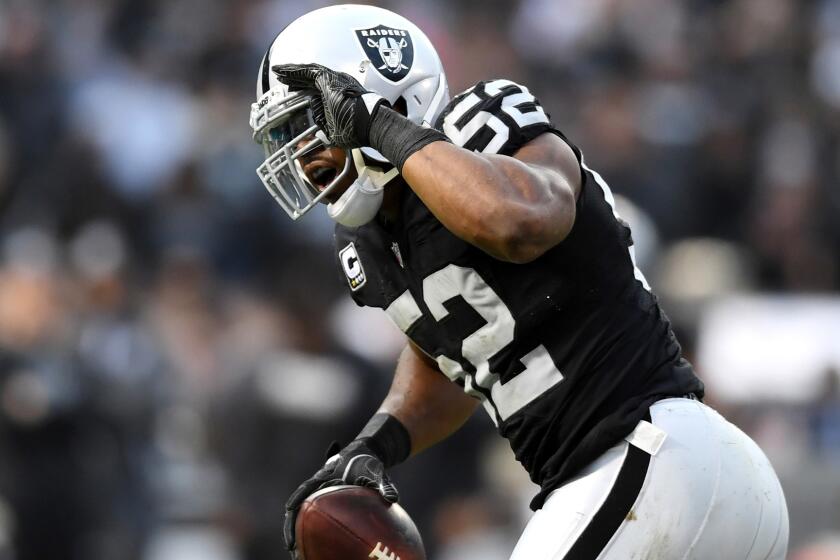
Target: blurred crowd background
(176,355)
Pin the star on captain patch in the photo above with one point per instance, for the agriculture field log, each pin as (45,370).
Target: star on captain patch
(395,247)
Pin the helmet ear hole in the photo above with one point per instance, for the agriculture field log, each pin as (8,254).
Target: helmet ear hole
(400,106)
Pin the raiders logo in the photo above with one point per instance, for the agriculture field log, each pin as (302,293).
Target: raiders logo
(389,50)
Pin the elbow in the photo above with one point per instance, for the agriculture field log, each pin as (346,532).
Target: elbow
(524,236)
(528,241)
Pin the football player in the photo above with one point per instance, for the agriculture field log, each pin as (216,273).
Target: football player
(480,230)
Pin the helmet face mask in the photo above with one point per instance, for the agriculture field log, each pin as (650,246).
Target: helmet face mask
(284,125)
(385,52)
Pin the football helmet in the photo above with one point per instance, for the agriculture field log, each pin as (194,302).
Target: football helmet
(388,55)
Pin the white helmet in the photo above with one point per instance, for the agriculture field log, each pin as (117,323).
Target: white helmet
(388,55)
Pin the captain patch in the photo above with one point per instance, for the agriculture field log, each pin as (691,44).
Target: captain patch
(352,267)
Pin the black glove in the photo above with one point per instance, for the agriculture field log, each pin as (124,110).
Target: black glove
(356,464)
(342,107)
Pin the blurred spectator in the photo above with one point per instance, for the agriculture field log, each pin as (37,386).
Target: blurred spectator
(292,395)
(826,547)
(825,419)
(469,528)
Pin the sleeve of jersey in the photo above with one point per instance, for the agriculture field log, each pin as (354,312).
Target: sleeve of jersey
(494,117)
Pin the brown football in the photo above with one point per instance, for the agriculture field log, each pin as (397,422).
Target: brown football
(350,523)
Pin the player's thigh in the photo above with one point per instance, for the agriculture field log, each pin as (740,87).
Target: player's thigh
(749,509)
(708,486)
(709,489)
(567,511)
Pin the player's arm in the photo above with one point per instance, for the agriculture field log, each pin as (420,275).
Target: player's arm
(427,404)
(421,408)
(513,208)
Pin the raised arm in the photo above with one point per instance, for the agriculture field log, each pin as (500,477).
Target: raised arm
(513,208)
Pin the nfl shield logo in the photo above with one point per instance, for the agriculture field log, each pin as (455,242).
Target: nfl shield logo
(389,50)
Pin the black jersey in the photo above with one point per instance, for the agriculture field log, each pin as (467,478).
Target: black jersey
(566,352)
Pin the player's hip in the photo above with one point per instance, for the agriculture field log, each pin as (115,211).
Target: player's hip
(682,485)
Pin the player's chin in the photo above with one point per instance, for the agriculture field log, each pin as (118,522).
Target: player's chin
(341,187)
(324,179)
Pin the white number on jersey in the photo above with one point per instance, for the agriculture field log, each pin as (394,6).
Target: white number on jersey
(478,348)
(513,95)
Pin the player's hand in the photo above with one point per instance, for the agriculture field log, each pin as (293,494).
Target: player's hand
(356,465)
(342,107)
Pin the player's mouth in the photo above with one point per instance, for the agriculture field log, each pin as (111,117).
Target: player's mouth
(323,167)
(321,174)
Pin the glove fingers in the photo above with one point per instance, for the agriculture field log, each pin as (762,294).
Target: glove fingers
(298,75)
(304,490)
(298,85)
(289,529)
(296,71)
(330,482)
(370,473)
(389,491)
(334,447)
(382,485)
(322,479)
(340,82)
(319,115)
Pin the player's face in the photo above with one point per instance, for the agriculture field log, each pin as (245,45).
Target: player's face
(324,165)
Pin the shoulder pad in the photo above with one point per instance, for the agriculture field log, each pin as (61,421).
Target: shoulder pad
(494,117)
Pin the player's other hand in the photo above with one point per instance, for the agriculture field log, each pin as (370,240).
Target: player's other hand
(356,465)
(342,107)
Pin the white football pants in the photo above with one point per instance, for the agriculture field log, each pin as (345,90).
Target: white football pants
(686,486)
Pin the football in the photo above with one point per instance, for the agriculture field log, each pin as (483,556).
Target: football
(350,522)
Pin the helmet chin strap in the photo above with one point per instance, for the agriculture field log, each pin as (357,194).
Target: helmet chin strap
(361,201)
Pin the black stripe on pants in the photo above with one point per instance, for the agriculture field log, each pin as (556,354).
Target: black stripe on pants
(615,508)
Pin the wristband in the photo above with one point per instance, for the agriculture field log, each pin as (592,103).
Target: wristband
(396,137)
(387,438)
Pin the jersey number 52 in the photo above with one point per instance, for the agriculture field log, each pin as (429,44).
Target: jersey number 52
(501,400)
